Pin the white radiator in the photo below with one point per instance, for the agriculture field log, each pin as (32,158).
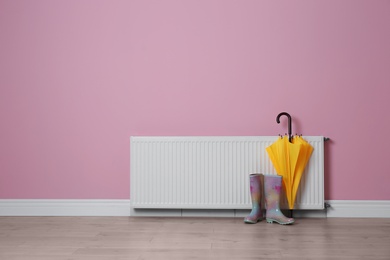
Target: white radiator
(212,172)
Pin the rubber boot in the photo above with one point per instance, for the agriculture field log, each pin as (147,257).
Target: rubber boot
(272,188)
(256,189)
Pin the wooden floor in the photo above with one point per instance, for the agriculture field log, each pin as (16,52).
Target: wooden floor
(191,238)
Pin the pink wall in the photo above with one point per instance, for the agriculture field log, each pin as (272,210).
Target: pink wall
(78,78)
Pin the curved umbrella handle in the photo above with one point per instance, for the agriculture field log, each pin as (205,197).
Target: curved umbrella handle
(289,123)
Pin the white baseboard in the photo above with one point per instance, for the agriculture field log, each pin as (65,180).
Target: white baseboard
(358,209)
(45,207)
(216,213)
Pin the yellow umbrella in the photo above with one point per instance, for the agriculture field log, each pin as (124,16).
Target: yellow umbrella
(289,160)
(304,156)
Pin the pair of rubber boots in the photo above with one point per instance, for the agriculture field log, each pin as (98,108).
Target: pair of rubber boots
(272,188)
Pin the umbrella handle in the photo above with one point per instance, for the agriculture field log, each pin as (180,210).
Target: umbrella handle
(289,123)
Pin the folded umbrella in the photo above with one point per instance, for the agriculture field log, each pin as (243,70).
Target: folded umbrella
(304,155)
(290,160)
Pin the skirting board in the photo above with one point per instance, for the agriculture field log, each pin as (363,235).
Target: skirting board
(47,207)
(358,209)
(217,213)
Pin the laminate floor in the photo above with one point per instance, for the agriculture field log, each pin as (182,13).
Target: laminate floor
(87,238)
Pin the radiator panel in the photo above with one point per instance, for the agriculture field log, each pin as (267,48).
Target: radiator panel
(212,172)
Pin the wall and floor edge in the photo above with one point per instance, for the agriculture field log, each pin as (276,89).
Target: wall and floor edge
(122,207)
(64,207)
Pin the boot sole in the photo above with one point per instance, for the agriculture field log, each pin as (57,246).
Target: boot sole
(252,222)
(269,220)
